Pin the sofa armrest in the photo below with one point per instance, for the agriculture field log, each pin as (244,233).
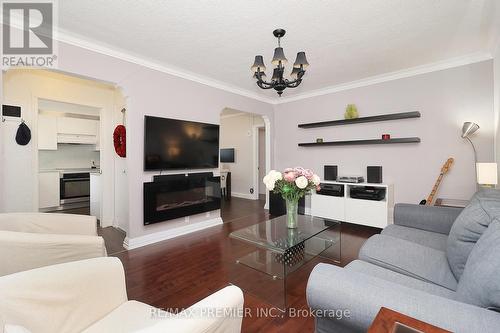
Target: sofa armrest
(363,296)
(221,312)
(21,251)
(430,218)
(49,223)
(63,298)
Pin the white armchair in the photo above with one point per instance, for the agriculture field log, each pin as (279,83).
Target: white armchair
(90,296)
(32,240)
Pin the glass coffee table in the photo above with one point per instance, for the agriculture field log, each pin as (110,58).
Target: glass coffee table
(280,251)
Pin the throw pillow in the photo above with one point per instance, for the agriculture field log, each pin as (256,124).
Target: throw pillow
(469,226)
(480,282)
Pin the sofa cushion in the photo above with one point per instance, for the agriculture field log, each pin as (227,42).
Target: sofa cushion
(131,316)
(480,282)
(408,258)
(423,237)
(15,329)
(469,226)
(404,280)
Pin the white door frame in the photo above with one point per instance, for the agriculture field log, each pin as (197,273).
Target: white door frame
(256,181)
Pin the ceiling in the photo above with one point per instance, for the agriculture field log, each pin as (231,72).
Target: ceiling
(345,40)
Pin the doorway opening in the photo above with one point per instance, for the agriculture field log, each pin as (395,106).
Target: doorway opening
(245,159)
(70,165)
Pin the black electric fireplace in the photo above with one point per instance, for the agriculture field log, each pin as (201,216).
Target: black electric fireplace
(173,196)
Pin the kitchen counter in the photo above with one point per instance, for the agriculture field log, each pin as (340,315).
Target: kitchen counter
(72,170)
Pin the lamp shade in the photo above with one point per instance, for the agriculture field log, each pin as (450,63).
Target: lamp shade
(279,55)
(295,73)
(487,173)
(301,60)
(469,128)
(276,74)
(258,64)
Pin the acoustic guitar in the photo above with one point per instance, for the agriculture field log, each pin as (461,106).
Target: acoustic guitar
(444,169)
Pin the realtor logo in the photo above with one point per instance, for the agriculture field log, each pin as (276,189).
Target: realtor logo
(28,34)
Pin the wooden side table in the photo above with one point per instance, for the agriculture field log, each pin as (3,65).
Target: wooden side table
(390,321)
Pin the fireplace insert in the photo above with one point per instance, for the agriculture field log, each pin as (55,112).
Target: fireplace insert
(173,196)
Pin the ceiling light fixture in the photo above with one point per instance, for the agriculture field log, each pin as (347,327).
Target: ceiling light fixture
(278,82)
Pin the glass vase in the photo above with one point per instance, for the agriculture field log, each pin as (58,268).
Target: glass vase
(292,207)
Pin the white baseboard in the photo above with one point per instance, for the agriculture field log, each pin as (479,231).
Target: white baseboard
(133,243)
(243,195)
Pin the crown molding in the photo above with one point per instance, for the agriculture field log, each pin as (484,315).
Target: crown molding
(82,42)
(409,72)
(79,41)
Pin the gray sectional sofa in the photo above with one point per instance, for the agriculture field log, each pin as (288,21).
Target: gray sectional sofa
(440,265)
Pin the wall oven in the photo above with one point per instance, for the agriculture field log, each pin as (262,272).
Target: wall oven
(74,187)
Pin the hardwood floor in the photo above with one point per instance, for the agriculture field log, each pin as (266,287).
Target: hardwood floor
(179,272)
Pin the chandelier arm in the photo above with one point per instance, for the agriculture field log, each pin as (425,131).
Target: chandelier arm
(294,84)
(265,85)
(263,82)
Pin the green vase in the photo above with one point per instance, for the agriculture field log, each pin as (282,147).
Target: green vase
(292,207)
(351,112)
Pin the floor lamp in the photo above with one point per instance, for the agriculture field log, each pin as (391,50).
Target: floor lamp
(468,129)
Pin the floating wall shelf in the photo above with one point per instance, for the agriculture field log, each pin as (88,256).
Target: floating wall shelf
(383,117)
(361,142)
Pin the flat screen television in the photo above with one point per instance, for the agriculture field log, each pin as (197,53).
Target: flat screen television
(179,144)
(227,155)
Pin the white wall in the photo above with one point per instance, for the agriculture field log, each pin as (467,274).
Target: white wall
(121,180)
(445,99)
(68,156)
(24,88)
(236,131)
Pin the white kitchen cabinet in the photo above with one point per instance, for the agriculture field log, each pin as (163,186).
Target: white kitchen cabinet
(48,189)
(77,126)
(47,132)
(95,195)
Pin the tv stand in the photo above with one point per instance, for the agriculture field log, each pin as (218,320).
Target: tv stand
(373,213)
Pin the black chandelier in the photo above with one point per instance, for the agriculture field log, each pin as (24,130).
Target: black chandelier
(278,82)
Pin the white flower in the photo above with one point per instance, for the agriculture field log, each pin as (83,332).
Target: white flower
(276,175)
(271,178)
(301,182)
(270,185)
(315,179)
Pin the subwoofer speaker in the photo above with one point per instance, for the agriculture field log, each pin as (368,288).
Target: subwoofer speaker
(330,172)
(374,174)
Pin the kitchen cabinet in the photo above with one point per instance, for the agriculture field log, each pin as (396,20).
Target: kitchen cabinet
(95,195)
(77,130)
(77,126)
(47,132)
(48,189)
